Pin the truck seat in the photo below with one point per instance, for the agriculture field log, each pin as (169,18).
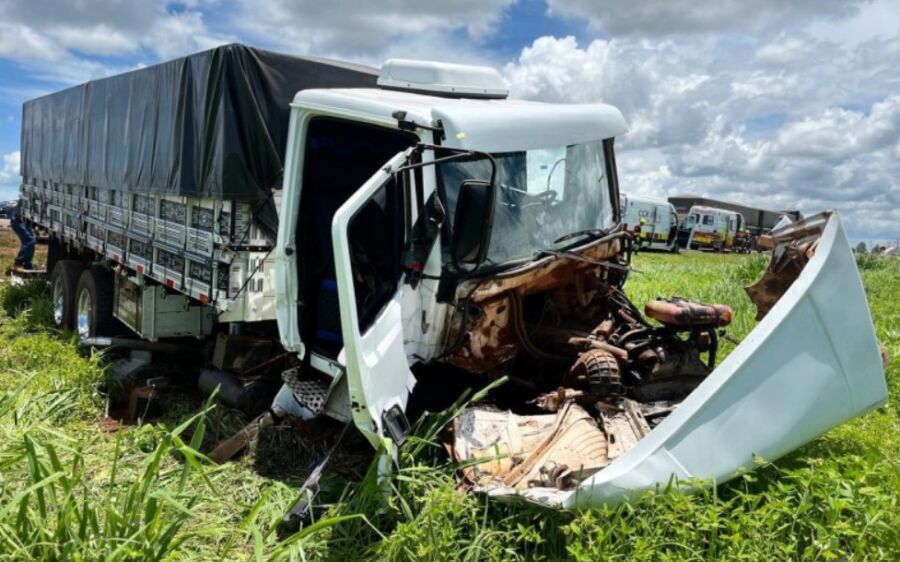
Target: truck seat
(680,312)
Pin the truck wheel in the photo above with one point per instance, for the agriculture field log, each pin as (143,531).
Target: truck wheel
(63,281)
(93,304)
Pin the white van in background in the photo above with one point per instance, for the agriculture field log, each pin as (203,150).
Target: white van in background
(653,222)
(710,227)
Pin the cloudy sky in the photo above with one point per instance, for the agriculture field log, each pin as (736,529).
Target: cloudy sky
(784,104)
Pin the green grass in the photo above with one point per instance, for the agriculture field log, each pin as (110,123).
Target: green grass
(69,491)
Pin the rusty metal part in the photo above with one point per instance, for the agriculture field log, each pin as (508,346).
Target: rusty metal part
(143,404)
(526,451)
(676,311)
(547,273)
(624,426)
(793,247)
(778,278)
(521,332)
(490,341)
(604,329)
(489,323)
(599,369)
(594,343)
(228,448)
(553,401)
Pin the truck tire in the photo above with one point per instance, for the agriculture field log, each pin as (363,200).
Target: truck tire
(94,303)
(63,282)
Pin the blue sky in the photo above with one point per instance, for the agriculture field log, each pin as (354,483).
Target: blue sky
(780,104)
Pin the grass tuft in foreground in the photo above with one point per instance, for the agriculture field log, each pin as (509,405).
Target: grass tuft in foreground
(69,491)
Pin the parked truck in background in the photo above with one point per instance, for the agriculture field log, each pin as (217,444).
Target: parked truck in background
(352,235)
(653,222)
(710,227)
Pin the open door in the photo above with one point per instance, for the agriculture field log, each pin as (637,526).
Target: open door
(368,232)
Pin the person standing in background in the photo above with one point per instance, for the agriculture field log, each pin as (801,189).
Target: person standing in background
(23,261)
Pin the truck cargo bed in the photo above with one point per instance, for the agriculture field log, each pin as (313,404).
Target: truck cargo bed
(210,125)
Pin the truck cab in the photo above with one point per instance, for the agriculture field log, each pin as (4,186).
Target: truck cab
(395,199)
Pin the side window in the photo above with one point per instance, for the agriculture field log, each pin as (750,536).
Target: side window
(708,220)
(376,237)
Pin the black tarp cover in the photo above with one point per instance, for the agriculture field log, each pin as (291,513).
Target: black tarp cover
(212,124)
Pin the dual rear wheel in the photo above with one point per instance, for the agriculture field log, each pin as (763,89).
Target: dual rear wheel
(82,297)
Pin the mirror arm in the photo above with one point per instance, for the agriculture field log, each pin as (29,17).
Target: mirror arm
(456,154)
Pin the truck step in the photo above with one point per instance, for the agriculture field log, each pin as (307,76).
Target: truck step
(311,394)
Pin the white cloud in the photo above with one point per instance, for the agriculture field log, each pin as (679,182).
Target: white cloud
(57,40)
(61,41)
(874,19)
(778,122)
(20,42)
(369,31)
(666,17)
(9,171)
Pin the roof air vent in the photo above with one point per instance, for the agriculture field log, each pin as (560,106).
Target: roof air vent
(441,78)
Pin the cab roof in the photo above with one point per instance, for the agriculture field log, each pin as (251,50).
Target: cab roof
(648,200)
(489,125)
(705,209)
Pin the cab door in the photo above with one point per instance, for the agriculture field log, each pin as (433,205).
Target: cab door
(368,233)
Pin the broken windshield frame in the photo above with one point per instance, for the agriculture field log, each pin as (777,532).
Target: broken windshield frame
(545,197)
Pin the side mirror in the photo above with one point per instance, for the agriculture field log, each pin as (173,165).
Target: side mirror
(472,223)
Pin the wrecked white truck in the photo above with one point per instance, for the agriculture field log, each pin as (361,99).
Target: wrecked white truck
(364,238)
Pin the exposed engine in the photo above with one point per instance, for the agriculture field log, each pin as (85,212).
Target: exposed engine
(563,329)
(567,323)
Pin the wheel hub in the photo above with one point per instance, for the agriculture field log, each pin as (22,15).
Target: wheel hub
(58,302)
(83,316)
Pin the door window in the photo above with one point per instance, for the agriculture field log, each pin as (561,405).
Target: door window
(375,236)
(709,220)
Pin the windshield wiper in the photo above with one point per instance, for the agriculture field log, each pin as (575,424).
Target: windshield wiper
(596,232)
